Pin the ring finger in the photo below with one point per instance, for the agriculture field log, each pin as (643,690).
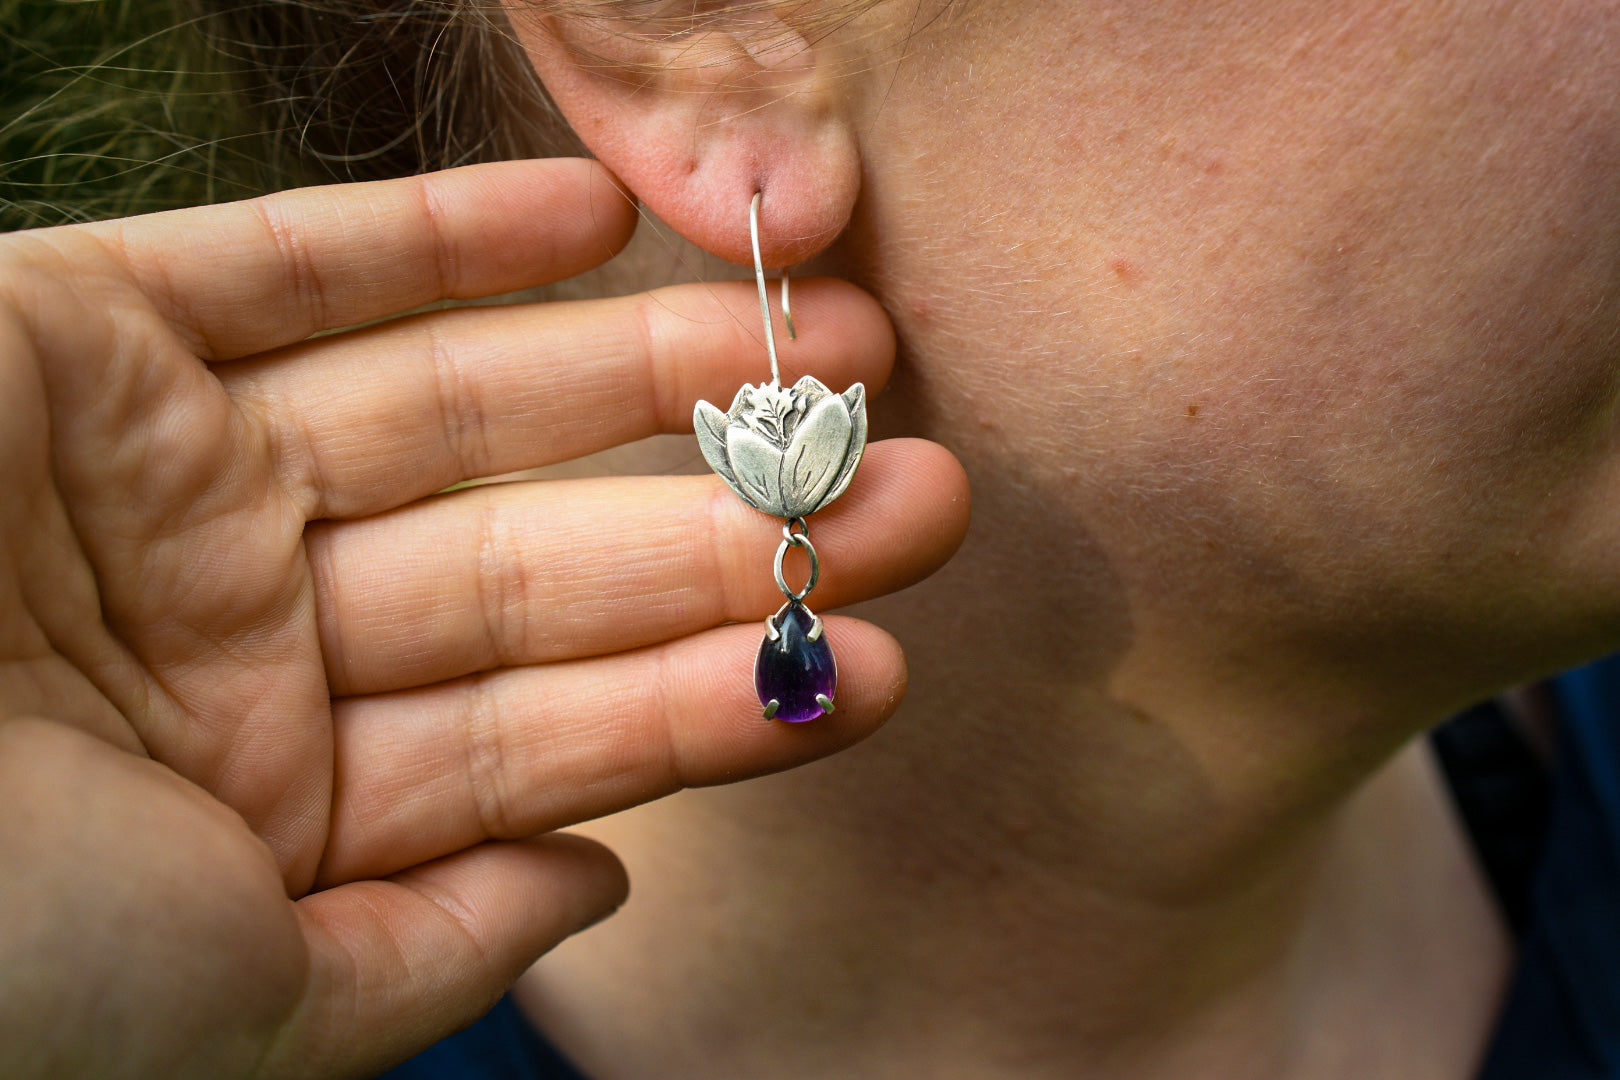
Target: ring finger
(525,573)
(368,420)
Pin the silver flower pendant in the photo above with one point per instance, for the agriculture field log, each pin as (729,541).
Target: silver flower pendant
(786,452)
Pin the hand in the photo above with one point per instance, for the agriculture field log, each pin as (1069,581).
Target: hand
(280,727)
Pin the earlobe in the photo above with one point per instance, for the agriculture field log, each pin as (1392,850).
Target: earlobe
(695,123)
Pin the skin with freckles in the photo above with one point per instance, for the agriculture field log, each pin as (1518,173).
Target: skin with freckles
(1279,343)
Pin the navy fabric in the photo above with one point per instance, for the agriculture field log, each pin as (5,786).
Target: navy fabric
(1562,1017)
(1503,790)
(501,1046)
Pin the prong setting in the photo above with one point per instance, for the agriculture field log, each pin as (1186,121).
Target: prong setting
(826,703)
(770,708)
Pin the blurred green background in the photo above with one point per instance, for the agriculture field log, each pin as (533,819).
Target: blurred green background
(112,107)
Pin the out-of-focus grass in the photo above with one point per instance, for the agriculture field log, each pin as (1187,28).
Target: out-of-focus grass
(111,107)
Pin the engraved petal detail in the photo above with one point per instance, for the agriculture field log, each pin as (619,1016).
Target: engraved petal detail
(855,401)
(815,457)
(757,466)
(710,424)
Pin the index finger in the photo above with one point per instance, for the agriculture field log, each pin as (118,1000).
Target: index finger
(249,276)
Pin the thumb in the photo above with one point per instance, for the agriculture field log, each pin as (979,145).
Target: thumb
(398,964)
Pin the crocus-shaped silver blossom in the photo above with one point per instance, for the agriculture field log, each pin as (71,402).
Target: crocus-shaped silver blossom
(786,452)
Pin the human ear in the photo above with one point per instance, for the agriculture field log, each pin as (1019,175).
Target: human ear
(695,120)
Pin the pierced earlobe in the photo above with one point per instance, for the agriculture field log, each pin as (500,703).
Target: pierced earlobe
(696,121)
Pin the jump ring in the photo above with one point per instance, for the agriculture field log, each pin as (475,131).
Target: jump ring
(799,540)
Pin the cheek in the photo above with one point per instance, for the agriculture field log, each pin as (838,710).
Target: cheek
(1403,363)
(1346,328)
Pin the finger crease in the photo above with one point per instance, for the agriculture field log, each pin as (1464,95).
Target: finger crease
(665,680)
(718,568)
(313,489)
(458,406)
(495,587)
(290,446)
(648,343)
(328,599)
(460,916)
(446,270)
(486,785)
(176,303)
(299,270)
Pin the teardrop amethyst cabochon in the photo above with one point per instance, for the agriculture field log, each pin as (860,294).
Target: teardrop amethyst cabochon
(792,669)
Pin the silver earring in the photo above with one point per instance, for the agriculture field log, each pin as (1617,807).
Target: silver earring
(788,453)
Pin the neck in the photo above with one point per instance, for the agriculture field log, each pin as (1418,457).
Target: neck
(1025,875)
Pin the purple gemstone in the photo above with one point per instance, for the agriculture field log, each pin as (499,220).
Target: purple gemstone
(792,670)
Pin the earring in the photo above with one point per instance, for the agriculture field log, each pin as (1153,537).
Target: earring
(788,453)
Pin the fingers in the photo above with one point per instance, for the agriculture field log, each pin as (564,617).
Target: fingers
(519,751)
(398,964)
(515,574)
(374,418)
(407,597)
(249,276)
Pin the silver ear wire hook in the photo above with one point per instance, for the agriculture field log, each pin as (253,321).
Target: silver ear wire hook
(787,309)
(764,301)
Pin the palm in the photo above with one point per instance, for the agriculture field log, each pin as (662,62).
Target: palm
(167,595)
(354,724)
(116,632)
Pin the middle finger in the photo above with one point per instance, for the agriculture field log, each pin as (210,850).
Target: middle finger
(368,420)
